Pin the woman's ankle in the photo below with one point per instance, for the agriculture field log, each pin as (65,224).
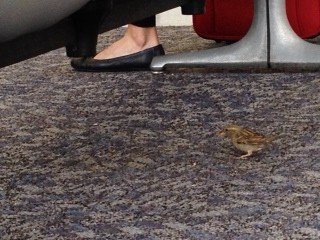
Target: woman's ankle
(143,38)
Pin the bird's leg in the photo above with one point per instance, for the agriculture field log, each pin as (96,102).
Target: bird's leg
(249,153)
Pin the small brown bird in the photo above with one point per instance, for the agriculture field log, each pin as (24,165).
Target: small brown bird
(245,139)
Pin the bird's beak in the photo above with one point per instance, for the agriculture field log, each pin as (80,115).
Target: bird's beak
(221,133)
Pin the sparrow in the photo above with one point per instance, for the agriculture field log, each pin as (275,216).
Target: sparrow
(245,139)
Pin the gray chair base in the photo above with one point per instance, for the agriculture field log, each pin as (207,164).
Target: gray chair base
(287,49)
(267,45)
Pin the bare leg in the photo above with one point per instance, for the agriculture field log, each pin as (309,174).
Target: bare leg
(246,155)
(134,40)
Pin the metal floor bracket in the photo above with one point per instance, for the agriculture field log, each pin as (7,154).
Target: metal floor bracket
(269,43)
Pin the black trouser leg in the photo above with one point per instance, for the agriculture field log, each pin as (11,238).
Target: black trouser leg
(87,22)
(146,22)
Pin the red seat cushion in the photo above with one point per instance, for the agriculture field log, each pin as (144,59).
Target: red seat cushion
(231,19)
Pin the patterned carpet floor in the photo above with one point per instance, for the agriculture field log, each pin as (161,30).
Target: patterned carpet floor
(137,155)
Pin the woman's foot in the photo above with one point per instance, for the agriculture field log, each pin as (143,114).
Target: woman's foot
(136,39)
(133,52)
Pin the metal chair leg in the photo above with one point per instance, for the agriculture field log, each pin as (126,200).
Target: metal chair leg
(250,52)
(287,49)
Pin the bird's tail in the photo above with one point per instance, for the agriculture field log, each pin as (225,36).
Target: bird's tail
(275,137)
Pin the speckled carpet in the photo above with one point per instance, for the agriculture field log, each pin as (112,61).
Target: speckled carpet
(136,155)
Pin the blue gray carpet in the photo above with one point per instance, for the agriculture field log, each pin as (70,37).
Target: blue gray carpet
(136,155)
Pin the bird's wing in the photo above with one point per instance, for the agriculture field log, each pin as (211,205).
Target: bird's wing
(251,138)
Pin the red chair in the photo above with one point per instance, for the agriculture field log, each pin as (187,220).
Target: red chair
(230,20)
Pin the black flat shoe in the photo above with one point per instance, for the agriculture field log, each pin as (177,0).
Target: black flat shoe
(139,61)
